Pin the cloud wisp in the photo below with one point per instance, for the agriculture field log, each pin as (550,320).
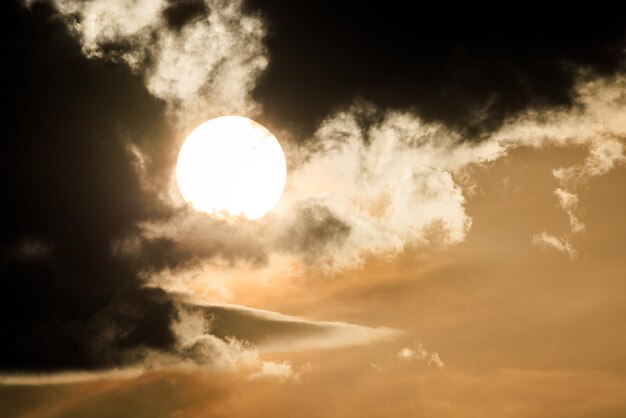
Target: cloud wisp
(273,332)
(546,240)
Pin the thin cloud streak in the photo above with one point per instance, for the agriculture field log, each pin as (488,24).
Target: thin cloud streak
(66,378)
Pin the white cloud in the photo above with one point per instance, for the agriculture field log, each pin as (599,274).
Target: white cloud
(435,361)
(207,68)
(604,155)
(546,240)
(389,184)
(569,203)
(280,372)
(596,122)
(419,354)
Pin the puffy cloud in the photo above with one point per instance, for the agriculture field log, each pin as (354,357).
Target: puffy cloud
(201,66)
(387,184)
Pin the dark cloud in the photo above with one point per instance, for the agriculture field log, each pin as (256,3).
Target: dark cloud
(71,189)
(49,339)
(468,69)
(160,253)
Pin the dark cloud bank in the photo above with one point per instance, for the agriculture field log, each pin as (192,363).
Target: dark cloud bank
(69,183)
(468,68)
(70,186)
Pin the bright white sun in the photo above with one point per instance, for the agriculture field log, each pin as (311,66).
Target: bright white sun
(231,166)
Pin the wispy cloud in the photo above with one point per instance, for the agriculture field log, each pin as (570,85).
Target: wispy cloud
(273,332)
(418,353)
(64,378)
(569,203)
(546,240)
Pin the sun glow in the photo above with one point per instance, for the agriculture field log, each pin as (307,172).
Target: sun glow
(231,166)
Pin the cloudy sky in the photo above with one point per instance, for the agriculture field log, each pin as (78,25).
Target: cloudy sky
(450,240)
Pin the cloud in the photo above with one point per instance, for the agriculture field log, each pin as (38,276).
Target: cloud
(201,58)
(546,240)
(273,332)
(393,178)
(366,182)
(280,372)
(372,182)
(355,193)
(569,203)
(65,378)
(29,249)
(231,338)
(215,338)
(603,156)
(595,122)
(419,354)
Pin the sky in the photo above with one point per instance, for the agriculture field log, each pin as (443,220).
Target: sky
(449,241)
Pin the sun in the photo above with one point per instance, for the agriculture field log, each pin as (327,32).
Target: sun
(231,166)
